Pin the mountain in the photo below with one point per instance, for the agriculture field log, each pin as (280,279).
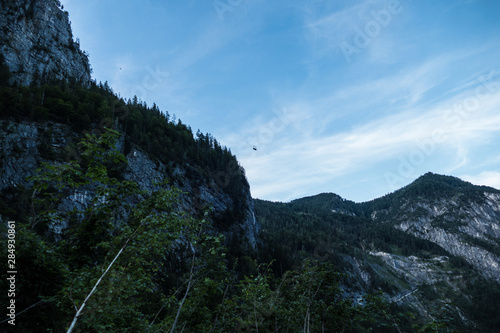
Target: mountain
(54,102)
(433,246)
(458,216)
(125,154)
(25,145)
(125,221)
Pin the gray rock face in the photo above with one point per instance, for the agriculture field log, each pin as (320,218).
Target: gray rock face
(250,225)
(22,144)
(144,171)
(20,149)
(205,196)
(37,42)
(414,270)
(147,173)
(462,230)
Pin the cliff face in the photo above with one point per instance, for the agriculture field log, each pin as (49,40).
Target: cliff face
(146,173)
(463,223)
(24,146)
(462,219)
(37,42)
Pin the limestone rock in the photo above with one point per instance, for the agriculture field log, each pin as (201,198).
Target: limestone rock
(37,42)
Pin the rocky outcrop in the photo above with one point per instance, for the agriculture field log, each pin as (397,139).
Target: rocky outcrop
(197,197)
(469,230)
(415,270)
(486,263)
(37,43)
(24,146)
(18,148)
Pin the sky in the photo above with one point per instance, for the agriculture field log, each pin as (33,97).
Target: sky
(358,98)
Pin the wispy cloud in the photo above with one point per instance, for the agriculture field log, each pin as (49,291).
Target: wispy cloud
(355,28)
(328,31)
(488,178)
(312,160)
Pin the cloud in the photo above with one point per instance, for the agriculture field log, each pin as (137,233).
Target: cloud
(353,28)
(488,178)
(319,121)
(295,162)
(337,26)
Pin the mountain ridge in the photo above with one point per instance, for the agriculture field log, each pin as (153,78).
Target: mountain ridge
(429,244)
(443,180)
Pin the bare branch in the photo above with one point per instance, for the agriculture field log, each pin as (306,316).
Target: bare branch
(78,313)
(191,274)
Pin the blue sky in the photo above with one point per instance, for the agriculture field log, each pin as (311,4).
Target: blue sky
(358,98)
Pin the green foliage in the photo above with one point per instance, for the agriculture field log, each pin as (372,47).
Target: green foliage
(65,270)
(131,261)
(325,203)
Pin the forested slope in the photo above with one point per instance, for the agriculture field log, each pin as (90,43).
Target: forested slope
(431,247)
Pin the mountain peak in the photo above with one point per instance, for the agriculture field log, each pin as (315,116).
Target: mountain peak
(329,202)
(37,42)
(436,185)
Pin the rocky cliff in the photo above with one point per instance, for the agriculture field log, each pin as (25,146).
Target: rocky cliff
(37,43)
(25,145)
(465,223)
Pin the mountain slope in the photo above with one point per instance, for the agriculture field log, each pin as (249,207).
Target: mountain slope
(52,114)
(433,246)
